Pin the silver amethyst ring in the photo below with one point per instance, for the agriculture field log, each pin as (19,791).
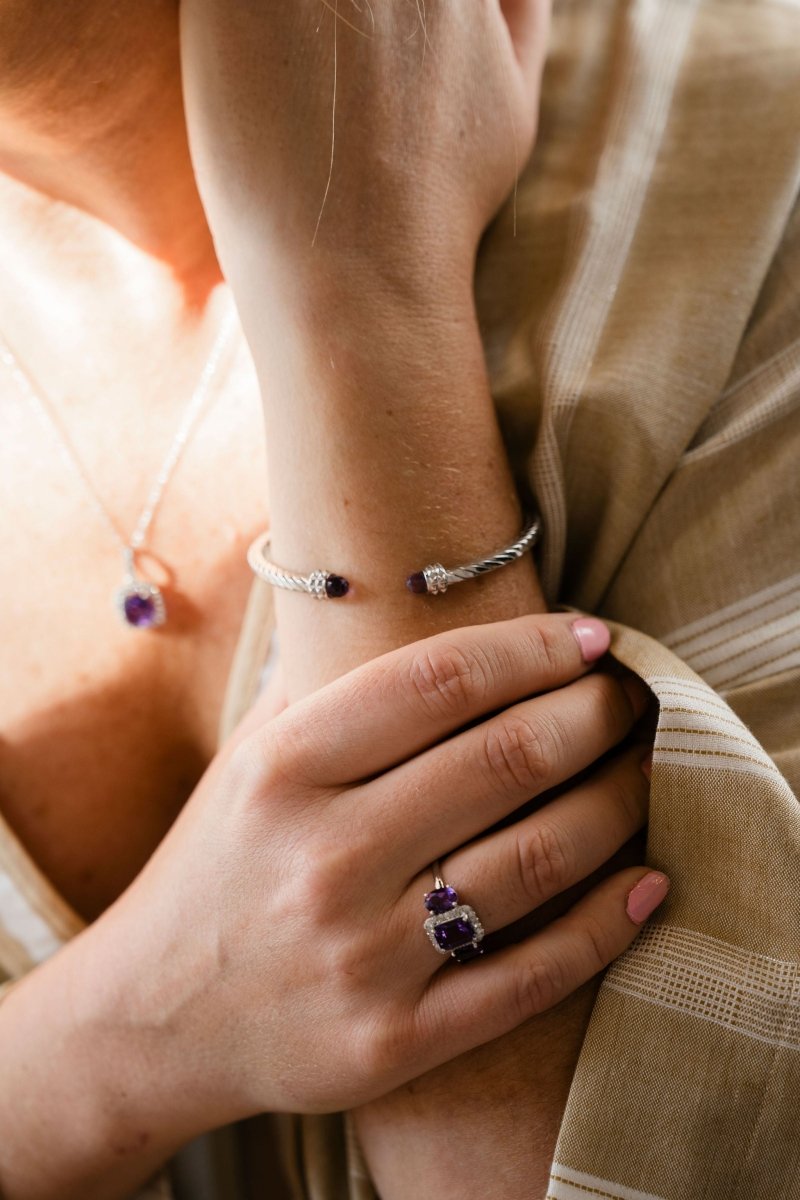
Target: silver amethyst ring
(452,928)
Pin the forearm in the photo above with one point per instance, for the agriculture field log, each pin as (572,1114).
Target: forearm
(501,1107)
(410,469)
(384,456)
(87,1106)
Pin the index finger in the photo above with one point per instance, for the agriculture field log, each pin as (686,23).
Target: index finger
(392,708)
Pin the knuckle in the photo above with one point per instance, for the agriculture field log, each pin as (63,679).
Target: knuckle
(447,680)
(388,1045)
(547,648)
(516,754)
(543,862)
(255,768)
(599,944)
(283,751)
(347,972)
(628,800)
(326,868)
(540,985)
(610,704)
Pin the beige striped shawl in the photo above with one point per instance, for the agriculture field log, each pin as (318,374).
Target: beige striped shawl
(642,328)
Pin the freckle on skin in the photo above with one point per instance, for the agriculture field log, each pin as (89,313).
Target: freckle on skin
(141,1140)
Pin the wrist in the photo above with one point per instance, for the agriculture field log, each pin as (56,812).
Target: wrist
(74,1093)
(376,312)
(141,992)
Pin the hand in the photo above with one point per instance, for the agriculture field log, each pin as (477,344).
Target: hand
(275,938)
(433,117)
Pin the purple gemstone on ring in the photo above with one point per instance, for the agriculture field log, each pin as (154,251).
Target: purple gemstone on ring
(336,586)
(452,935)
(140,610)
(467,952)
(441,899)
(417,583)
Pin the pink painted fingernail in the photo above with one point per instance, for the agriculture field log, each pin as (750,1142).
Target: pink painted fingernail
(593,636)
(647,764)
(646,896)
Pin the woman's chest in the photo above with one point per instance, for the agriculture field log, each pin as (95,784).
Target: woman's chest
(105,728)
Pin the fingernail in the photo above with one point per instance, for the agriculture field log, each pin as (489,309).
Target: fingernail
(593,636)
(647,764)
(646,896)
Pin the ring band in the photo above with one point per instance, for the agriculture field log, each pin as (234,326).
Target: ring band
(452,928)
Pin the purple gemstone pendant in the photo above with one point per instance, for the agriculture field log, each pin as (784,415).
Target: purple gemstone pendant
(140,604)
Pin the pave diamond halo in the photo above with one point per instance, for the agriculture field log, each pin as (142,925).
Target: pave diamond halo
(466,930)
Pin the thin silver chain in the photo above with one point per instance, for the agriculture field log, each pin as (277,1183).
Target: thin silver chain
(46,414)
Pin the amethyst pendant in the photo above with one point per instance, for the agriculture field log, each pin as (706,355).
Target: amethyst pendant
(141,604)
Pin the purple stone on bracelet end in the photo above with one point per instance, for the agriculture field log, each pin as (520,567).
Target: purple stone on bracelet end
(417,583)
(441,899)
(336,586)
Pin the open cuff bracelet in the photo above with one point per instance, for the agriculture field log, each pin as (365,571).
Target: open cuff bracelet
(431,580)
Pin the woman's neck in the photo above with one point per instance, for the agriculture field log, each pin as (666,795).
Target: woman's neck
(91,115)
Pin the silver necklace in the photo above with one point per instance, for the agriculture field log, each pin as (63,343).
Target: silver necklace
(138,601)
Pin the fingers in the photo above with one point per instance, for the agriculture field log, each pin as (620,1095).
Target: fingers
(403,702)
(508,874)
(493,995)
(457,790)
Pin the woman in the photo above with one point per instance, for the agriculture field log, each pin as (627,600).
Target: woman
(91,1122)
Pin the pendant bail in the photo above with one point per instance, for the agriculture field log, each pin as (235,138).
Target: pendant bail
(128,558)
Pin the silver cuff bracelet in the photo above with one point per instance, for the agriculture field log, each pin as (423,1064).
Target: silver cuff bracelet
(431,580)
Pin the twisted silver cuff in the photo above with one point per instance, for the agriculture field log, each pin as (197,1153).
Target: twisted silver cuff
(431,580)
(435,579)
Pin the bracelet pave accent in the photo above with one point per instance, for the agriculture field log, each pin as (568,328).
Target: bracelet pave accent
(435,579)
(322,585)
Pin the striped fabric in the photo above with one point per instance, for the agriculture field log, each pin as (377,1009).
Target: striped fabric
(742,642)
(642,330)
